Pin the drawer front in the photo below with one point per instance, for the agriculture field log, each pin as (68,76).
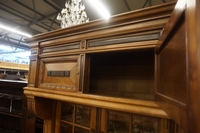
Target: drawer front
(60,73)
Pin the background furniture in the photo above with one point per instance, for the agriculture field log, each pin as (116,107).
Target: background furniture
(14,116)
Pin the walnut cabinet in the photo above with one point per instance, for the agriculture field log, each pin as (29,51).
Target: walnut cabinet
(135,73)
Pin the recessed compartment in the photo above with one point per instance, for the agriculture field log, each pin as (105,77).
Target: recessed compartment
(127,74)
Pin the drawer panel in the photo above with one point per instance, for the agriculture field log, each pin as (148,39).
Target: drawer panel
(61,73)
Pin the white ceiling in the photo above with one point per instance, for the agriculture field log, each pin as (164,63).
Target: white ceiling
(39,16)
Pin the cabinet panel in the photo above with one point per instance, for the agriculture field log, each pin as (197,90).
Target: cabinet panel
(32,73)
(171,74)
(60,73)
(172,67)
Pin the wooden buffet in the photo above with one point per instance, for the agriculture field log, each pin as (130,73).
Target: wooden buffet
(130,74)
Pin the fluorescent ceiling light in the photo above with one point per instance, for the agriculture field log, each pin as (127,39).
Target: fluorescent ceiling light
(14,30)
(100,8)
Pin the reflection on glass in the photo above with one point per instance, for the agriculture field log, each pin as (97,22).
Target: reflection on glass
(65,128)
(82,115)
(80,130)
(67,111)
(144,124)
(118,122)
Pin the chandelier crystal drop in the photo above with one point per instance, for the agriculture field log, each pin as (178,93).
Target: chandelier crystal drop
(73,14)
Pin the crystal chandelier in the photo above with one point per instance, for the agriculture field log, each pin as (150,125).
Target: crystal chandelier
(73,14)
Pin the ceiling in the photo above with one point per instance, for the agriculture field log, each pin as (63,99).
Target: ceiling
(39,16)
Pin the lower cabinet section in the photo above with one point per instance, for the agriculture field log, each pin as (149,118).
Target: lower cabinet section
(75,118)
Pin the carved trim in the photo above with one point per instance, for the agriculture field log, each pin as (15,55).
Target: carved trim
(31,105)
(55,86)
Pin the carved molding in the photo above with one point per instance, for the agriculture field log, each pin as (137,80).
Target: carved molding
(55,86)
(31,104)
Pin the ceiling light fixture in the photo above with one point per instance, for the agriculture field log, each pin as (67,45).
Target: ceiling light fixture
(14,30)
(100,8)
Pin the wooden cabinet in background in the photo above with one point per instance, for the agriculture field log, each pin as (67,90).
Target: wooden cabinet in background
(12,106)
(132,73)
(14,115)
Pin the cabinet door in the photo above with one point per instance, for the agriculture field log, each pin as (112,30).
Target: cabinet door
(123,122)
(178,69)
(74,118)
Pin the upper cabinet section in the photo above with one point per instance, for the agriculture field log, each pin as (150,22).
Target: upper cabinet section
(101,61)
(135,29)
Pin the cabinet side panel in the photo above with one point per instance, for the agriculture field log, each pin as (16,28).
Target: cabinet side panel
(32,73)
(193,59)
(172,66)
(171,81)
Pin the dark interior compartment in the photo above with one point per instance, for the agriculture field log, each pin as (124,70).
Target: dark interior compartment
(128,74)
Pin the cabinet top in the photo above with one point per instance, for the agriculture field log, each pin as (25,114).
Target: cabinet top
(114,21)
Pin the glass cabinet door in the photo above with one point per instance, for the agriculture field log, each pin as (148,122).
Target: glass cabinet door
(82,116)
(118,122)
(144,124)
(75,118)
(121,122)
